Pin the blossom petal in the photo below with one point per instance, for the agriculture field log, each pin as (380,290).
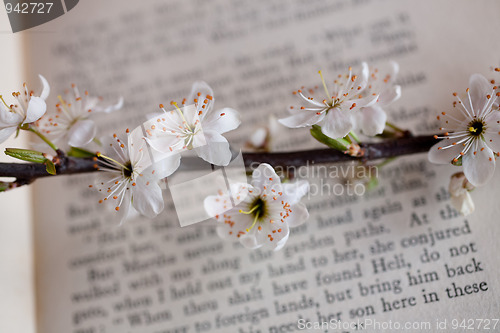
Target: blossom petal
(238,225)
(280,238)
(389,95)
(147,198)
(216,151)
(190,113)
(440,154)
(299,215)
(265,175)
(250,242)
(214,205)
(46,88)
(222,121)
(166,166)
(292,193)
(124,210)
(492,136)
(337,123)
(356,104)
(456,186)
(8,118)
(278,231)
(36,109)
(479,164)
(281,243)
(82,133)
(164,142)
(113,147)
(371,120)
(362,79)
(199,140)
(463,203)
(314,103)
(231,231)
(109,108)
(91,104)
(394,70)
(479,88)
(5,133)
(306,118)
(199,87)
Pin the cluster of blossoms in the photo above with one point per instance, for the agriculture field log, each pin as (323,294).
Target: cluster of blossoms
(131,178)
(133,165)
(471,139)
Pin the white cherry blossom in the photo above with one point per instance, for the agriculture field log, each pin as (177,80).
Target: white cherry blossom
(28,109)
(267,211)
(195,125)
(335,112)
(121,184)
(472,133)
(73,123)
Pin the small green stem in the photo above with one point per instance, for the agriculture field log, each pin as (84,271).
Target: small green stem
(43,137)
(347,138)
(354,136)
(394,127)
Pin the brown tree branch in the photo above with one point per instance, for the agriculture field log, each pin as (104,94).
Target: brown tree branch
(371,151)
(26,173)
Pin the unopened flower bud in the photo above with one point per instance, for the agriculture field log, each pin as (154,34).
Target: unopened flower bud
(459,189)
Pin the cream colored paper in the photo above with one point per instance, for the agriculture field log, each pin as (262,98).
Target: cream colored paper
(152,276)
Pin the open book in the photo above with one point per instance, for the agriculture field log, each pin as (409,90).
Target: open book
(397,257)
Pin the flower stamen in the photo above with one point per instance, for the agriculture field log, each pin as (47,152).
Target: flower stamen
(249,212)
(114,161)
(64,106)
(8,107)
(181,114)
(254,220)
(325,87)
(476,128)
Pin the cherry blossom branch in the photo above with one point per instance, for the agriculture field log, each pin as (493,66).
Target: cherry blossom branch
(369,152)
(26,173)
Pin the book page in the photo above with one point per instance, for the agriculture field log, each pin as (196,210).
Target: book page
(397,254)
(17,301)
